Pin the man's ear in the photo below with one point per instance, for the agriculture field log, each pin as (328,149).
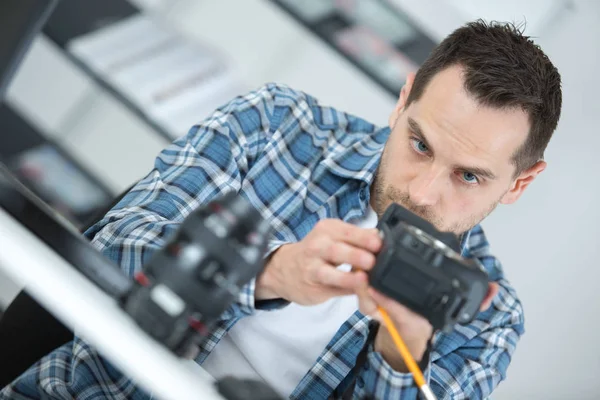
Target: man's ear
(522,181)
(410,78)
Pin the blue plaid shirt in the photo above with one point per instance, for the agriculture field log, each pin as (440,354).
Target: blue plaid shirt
(297,162)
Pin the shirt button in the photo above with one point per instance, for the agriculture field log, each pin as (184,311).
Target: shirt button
(366,366)
(360,382)
(362,194)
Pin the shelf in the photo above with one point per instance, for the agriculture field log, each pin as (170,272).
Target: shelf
(377,38)
(48,170)
(164,79)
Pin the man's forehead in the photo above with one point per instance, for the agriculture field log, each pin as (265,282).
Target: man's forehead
(450,116)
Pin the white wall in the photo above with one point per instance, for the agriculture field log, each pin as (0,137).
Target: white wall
(548,241)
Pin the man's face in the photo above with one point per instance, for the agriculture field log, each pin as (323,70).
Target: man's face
(449,159)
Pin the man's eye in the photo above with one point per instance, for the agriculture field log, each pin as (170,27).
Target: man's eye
(419,146)
(469,177)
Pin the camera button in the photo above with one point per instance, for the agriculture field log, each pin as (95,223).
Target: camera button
(438,302)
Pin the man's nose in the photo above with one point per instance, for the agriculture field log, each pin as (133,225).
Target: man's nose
(424,189)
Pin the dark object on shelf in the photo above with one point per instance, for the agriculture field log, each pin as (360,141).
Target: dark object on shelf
(50,172)
(377,38)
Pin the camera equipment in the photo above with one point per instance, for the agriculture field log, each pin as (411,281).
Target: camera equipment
(234,236)
(421,268)
(192,280)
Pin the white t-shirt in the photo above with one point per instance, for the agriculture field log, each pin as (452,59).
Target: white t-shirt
(279,347)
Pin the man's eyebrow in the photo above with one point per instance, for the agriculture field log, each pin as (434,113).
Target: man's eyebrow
(479,171)
(417,131)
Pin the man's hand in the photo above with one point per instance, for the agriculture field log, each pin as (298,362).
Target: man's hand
(305,272)
(414,329)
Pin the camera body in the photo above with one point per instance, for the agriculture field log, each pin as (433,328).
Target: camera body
(421,268)
(199,273)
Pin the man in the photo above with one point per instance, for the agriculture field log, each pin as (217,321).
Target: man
(468,132)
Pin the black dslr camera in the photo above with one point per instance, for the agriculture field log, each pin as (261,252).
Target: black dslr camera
(421,268)
(192,280)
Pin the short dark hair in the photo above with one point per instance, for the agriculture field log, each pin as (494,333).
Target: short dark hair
(502,68)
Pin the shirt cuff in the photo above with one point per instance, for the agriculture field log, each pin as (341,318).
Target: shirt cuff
(272,304)
(246,303)
(381,381)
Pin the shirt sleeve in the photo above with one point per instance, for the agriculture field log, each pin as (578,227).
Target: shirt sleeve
(211,160)
(467,363)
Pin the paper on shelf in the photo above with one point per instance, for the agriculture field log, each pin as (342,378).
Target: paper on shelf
(164,74)
(109,47)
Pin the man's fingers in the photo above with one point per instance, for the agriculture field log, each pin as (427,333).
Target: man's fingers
(330,276)
(366,304)
(337,253)
(331,292)
(367,239)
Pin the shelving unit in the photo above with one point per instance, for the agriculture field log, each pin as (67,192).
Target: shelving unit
(91,118)
(163,78)
(50,171)
(378,38)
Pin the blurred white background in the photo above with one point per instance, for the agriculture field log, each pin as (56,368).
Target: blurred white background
(547,241)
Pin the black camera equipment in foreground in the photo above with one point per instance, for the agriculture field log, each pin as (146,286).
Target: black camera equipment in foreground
(186,285)
(421,268)
(192,280)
